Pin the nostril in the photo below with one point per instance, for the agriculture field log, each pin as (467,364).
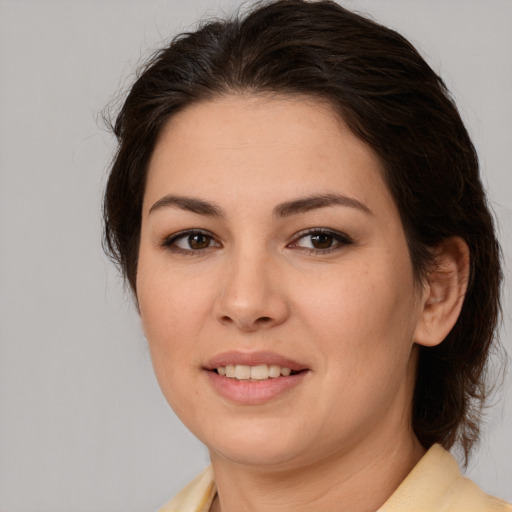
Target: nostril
(247,321)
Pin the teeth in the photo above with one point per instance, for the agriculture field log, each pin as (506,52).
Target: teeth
(258,372)
(274,371)
(242,372)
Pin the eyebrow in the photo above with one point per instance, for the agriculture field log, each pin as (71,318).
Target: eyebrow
(190,204)
(314,202)
(294,207)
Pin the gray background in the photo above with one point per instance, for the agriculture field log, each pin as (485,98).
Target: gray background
(83,426)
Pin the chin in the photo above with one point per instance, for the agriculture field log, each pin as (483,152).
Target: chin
(272,455)
(255,445)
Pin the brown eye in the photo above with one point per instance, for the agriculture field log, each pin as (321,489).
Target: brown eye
(322,240)
(190,241)
(199,241)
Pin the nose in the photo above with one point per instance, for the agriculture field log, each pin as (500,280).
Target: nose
(252,295)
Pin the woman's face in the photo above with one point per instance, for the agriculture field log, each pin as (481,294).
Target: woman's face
(270,243)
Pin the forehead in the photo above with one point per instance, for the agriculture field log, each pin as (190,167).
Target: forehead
(261,146)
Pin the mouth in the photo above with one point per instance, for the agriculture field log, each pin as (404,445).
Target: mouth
(254,378)
(254,373)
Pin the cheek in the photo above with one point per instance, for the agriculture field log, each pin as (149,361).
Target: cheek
(169,318)
(172,312)
(364,328)
(365,316)
(168,296)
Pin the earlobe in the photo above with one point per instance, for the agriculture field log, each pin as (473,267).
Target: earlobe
(444,292)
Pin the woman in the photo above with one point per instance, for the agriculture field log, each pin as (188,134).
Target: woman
(296,205)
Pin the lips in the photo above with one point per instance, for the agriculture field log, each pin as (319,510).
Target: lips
(254,359)
(253,378)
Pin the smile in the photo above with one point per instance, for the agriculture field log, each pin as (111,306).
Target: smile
(258,372)
(254,378)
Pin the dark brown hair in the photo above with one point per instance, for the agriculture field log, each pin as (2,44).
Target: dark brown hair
(392,100)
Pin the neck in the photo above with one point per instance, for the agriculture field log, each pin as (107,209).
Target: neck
(361,479)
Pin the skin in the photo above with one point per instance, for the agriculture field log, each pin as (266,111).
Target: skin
(352,313)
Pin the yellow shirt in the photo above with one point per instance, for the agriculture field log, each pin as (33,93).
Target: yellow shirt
(434,485)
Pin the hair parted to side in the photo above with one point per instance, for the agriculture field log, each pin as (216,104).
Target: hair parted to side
(392,100)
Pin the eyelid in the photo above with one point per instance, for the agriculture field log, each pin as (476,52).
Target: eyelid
(342,238)
(168,242)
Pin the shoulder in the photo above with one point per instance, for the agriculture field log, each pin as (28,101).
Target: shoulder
(197,496)
(436,484)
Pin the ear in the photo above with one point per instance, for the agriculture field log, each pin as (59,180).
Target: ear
(443,292)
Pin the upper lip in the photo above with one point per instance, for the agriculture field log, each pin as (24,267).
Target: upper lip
(253,359)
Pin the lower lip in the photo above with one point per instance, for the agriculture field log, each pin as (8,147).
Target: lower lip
(253,392)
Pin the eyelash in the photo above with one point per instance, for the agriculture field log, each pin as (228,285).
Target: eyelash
(339,240)
(169,243)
